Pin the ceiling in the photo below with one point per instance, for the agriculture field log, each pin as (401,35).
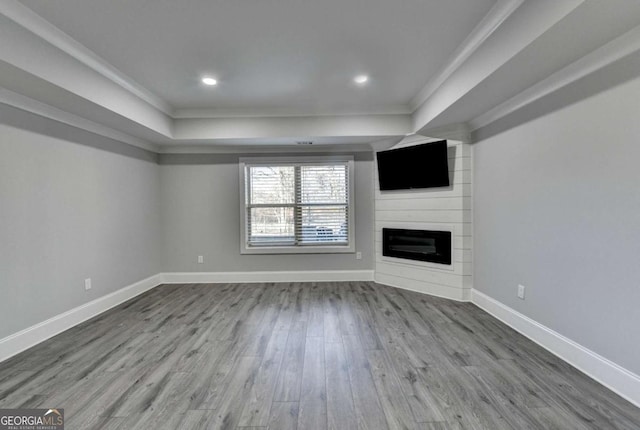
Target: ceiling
(130,70)
(290,55)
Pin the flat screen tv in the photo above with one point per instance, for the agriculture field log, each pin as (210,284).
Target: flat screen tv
(419,166)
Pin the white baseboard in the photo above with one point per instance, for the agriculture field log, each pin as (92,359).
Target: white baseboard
(618,379)
(253,277)
(25,339)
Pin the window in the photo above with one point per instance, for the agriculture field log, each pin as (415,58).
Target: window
(296,205)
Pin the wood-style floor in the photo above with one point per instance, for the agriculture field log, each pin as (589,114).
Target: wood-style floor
(341,356)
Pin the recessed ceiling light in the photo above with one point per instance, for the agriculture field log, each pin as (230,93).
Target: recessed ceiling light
(209,81)
(361,79)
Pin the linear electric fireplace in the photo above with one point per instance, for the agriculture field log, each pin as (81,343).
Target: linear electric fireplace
(421,245)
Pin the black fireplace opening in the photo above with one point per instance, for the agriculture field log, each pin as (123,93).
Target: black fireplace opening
(422,245)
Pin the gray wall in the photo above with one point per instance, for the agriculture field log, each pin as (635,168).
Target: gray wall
(70,212)
(201,216)
(557,209)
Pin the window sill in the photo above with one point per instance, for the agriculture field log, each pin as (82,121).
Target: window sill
(344,249)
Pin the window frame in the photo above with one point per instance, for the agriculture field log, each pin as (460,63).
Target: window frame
(349,247)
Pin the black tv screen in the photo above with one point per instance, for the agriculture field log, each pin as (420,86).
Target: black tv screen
(419,166)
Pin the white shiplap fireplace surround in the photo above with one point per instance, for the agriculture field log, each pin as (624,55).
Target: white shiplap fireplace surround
(443,209)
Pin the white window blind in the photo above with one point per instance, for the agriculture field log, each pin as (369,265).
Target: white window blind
(297,204)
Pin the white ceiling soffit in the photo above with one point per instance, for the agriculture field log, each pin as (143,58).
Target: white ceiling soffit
(19,101)
(524,25)
(489,24)
(31,21)
(607,54)
(29,63)
(61,75)
(283,127)
(36,93)
(571,50)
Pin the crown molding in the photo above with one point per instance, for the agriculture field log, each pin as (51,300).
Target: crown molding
(487,26)
(27,104)
(607,54)
(28,19)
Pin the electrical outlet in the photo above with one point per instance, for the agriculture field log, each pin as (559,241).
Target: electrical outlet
(87,284)
(200,259)
(358,255)
(521,289)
